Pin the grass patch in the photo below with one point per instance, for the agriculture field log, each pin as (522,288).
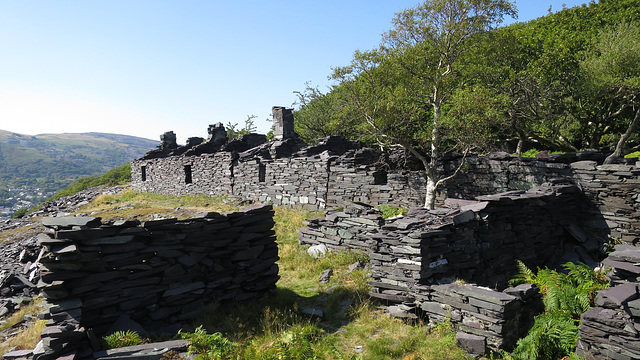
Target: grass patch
(352,327)
(29,335)
(131,204)
(118,176)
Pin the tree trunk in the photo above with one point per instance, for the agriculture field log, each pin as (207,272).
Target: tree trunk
(430,197)
(617,153)
(434,161)
(519,147)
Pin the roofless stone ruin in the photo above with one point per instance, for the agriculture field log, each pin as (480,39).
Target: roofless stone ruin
(543,212)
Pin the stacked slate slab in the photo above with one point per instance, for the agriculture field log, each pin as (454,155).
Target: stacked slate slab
(614,193)
(348,228)
(158,272)
(500,318)
(611,329)
(417,259)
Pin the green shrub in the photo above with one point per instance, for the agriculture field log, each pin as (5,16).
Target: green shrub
(294,344)
(20,213)
(553,336)
(121,338)
(208,346)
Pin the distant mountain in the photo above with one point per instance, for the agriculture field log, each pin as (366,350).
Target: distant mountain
(39,165)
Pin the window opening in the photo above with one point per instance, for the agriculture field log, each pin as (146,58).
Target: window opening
(187,174)
(380,177)
(262,172)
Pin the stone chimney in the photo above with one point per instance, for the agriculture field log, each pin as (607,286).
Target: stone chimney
(282,123)
(217,133)
(168,142)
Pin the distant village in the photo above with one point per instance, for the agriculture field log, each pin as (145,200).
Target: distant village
(23,197)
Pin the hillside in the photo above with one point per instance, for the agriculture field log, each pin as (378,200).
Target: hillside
(32,168)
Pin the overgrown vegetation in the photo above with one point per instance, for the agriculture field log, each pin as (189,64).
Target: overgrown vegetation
(566,296)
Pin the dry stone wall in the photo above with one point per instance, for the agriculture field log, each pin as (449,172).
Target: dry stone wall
(417,259)
(297,182)
(336,171)
(203,174)
(611,329)
(158,272)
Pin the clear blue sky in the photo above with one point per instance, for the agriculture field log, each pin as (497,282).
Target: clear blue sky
(143,67)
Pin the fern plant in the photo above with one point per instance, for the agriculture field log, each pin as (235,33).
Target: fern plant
(553,336)
(573,291)
(121,338)
(566,296)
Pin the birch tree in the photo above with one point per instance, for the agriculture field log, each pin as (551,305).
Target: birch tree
(400,88)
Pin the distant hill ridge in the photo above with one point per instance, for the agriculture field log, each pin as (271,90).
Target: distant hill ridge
(49,162)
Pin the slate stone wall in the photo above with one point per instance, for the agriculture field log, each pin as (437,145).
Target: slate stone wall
(471,241)
(611,329)
(158,272)
(294,182)
(210,174)
(336,171)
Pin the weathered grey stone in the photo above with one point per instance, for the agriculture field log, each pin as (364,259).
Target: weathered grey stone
(325,276)
(145,351)
(313,312)
(473,344)
(317,251)
(71,221)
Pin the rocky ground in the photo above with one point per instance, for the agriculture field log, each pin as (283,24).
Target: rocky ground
(19,270)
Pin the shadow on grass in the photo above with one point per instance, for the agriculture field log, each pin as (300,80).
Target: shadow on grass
(276,313)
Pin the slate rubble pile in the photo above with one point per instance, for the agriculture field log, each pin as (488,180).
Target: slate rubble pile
(611,329)
(158,272)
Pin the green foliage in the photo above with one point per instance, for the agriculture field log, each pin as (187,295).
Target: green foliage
(531,153)
(391,211)
(635,154)
(553,336)
(20,213)
(121,338)
(572,292)
(208,346)
(113,177)
(294,343)
(249,127)
(566,297)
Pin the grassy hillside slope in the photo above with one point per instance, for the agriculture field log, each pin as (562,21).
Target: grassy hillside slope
(52,161)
